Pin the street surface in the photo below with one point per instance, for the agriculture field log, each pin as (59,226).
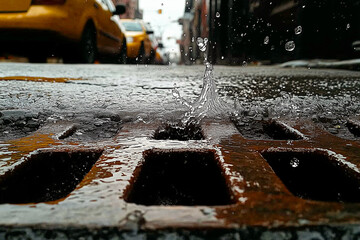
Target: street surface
(144,93)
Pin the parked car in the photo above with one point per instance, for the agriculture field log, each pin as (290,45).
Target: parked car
(139,44)
(79,31)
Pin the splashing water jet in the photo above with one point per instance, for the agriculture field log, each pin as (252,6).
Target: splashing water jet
(208,103)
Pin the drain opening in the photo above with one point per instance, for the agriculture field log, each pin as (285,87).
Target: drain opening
(346,129)
(19,123)
(267,130)
(46,176)
(177,132)
(354,127)
(179,177)
(280,131)
(315,175)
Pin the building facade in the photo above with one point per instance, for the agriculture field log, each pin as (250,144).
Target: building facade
(132,9)
(251,30)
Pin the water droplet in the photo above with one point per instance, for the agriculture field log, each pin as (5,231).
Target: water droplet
(266,40)
(294,162)
(201,42)
(298,30)
(290,46)
(217,14)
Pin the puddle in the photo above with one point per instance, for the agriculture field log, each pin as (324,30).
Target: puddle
(266,130)
(179,177)
(46,176)
(38,79)
(176,132)
(315,175)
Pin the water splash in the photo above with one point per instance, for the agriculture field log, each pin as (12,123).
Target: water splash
(290,46)
(298,30)
(208,103)
(266,40)
(294,162)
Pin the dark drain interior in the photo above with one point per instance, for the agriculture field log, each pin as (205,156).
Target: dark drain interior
(354,127)
(178,132)
(347,129)
(279,131)
(266,130)
(19,123)
(179,177)
(46,176)
(316,176)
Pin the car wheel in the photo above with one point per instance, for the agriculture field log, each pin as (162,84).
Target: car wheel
(88,49)
(151,59)
(141,55)
(36,58)
(122,58)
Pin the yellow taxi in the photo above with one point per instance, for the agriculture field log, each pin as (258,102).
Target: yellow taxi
(81,31)
(138,42)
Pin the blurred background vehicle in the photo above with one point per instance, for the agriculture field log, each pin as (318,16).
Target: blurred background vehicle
(79,31)
(239,31)
(140,41)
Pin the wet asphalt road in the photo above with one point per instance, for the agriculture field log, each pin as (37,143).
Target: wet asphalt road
(140,92)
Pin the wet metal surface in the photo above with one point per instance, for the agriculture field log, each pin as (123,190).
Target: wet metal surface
(129,104)
(261,199)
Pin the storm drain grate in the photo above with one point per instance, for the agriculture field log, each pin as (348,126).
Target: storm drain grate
(314,175)
(263,130)
(46,176)
(280,131)
(180,177)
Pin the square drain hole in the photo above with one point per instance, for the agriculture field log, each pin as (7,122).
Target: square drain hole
(280,131)
(179,177)
(177,132)
(46,176)
(346,129)
(314,175)
(267,130)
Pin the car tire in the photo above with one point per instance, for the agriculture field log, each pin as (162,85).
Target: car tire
(122,58)
(35,58)
(85,51)
(141,55)
(151,59)
(88,47)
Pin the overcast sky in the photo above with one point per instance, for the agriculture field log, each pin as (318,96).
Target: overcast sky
(165,23)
